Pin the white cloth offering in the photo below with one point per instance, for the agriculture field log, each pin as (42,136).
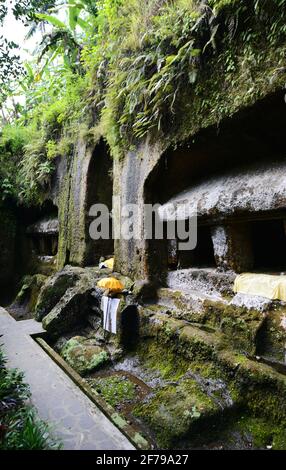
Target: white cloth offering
(109,306)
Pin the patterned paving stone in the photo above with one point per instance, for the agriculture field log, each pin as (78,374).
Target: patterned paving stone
(76,421)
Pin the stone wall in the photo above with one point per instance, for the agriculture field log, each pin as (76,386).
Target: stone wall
(8,229)
(83,180)
(153,172)
(130,177)
(150,172)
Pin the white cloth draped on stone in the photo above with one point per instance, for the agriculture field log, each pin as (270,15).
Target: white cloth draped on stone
(109,306)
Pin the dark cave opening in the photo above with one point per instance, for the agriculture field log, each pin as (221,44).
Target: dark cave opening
(45,245)
(269,245)
(99,191)
(201,257)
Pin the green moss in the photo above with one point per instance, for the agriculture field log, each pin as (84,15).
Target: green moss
(30,290)
(174,410)
(240,325)
(158,358)
(271,339)
(257,387)
(226,68)
(149,52)
(264,433)
(115,390)
(83,356)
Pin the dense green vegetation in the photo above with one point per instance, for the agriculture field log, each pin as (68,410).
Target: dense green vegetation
(126,69)
(20,428)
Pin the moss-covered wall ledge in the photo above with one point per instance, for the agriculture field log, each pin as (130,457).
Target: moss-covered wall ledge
(222,93)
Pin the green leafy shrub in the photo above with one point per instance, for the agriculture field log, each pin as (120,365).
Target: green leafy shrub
(150,58)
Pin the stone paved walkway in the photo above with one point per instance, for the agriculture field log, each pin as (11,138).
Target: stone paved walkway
(75,420)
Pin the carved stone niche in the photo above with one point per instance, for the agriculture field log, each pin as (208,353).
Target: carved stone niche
(233,247)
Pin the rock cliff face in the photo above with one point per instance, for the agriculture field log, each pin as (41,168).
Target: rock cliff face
(8,229)
(223,154)
(83,181)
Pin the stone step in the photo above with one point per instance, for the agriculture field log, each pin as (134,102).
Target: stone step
(255,383)
(209,281)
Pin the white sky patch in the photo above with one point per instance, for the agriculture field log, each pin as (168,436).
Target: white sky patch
(14,30)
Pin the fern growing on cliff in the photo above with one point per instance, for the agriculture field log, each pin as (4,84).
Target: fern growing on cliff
(160,68)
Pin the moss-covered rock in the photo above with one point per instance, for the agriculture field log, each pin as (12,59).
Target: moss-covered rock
(240,325)
(271,338)
(54,289)
(257,386)
(174,410)
(69,312)
(74,306)
(84,355)
(265,434)
(26,299)
(190,341)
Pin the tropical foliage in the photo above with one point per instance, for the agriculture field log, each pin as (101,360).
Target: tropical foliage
(129,68)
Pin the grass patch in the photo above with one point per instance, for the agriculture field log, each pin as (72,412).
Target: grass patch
(115,390)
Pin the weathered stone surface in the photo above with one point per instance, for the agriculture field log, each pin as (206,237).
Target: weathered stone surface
(129,181)
(68,312)
(186,306)
(176,373)
(75,305)
(46,226)
(184,408)
(239,325)
(253,189)
(258,387)
(192,342)
(84,180)
(252,302)
(84,355)
(253,386)
(271,338)
(208,282)
(173,411)
(25,302)
(55,288)
(232,247)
